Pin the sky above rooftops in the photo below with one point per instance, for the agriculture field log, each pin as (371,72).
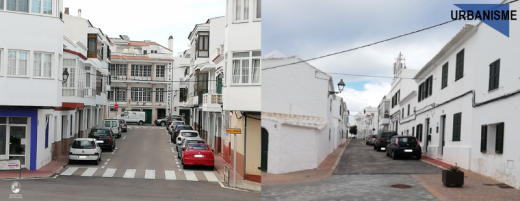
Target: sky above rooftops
(320,27)
(152,20)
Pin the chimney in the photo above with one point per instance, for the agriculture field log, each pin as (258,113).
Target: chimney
(170,43)
(66,10)
(79,13)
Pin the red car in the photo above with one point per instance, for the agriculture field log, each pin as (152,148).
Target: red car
(197,154)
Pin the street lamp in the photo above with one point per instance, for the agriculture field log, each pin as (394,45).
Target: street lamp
(341,85)
(65,75)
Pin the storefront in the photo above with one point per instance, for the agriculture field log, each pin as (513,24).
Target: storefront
(17,139)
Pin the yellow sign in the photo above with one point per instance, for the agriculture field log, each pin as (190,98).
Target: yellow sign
(234,131)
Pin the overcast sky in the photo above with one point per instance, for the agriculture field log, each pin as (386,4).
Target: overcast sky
(314,28)
(152,20)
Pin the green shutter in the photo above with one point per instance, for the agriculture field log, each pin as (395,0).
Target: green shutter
(456,126)
(444,76)
(483,139)
(491,76)
(431,85)
(499,143)
(460,65)
(219,84)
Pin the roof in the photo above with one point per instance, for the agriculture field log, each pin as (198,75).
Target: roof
(296,120)
(137,58)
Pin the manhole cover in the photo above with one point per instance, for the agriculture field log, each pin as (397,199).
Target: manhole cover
(401,186)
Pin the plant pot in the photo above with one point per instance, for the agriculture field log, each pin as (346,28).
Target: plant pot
(452,179)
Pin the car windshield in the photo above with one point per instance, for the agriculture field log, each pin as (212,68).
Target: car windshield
(190,134)
(83,144)
(387,135)
(194,141)
(407,140)
(185,128)
(121,121)
(178,123)
(199,146)
(98,132)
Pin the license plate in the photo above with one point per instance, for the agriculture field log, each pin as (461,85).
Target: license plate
(382,148)
(407,150)
(82,156)
(199,156)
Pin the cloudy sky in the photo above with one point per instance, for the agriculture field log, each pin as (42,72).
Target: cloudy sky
(314,28)
(154,20)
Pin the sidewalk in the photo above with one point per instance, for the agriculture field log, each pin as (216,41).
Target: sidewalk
(324,170)
(43,172)
(241,183)
(476,186)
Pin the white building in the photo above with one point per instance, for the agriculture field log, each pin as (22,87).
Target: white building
(30,60)
(367,122)
(465,99)
(299,114)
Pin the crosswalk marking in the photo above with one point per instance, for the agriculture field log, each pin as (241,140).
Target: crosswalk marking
(89,172)
(69,171)
(130,173)
(109,172)
(170,175)
(190,175)
(210,176)
(149,174)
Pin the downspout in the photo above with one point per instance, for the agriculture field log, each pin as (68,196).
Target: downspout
(245,143)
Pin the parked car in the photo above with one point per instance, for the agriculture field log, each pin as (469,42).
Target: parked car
(198,154)
(186,141)
(85,149)
(403,146)
(372,139)
(172,125)
(103,134)
(185,134)
(123,125)
(133,117)
(167,120)
(114,125)
(382,140)
(367,140)
(176,130)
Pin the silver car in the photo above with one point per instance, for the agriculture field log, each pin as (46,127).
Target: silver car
(186,134)
(85,149)
(186,141)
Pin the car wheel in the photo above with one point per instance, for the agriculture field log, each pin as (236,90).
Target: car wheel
(99,159)
(374,147)
(184,166)
(418,157)
(96,162)
(171,139)
(141,123)
(386,153)
(111,149)
(71,161)
(393,155)
(163,124)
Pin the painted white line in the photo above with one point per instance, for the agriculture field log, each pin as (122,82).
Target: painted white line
(190,176)
(102,167)
(170,175)
(89,172)
(109,172)
(108,159)
(129,173)
(180,170)
(177,163)
(149,174)
(211,176)
(124,137)
(69,171)
(106,163)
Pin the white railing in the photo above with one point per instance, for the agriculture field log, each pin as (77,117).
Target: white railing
(81,93)
(88,92)
(195,100)
(68,92)
(212,99)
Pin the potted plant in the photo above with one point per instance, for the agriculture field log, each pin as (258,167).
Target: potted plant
(453,177)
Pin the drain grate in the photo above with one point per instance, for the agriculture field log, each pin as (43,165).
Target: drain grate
(401,186)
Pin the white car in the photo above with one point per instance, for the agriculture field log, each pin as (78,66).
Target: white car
(186,134)
(186,141)
(172,126)
(85,149)
(133,117)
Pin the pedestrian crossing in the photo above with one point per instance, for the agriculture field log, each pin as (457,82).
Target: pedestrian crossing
(148,174)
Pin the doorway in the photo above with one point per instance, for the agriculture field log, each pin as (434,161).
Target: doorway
(265,148)
(13,138)
(186,115)
(148,113)
(443,129)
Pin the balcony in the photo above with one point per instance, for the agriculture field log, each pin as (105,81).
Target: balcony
(212,102)
(137,79)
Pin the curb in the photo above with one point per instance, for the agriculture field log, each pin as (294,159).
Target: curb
(339,158)
(438,166)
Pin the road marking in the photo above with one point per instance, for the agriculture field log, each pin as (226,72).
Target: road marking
(89,172)
(211,176)
(170,175)
(109,172)
(69,171)
(149,174)
(129,173)
(177,162)
(108,159)
(178,165)
(106,163)
(124,137)
(190,176)
(102,167)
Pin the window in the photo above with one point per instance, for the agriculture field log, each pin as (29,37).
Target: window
(241,10)
(258,9)
(17,63)
(402,114)
(459,71)
(444,76)
(499,143)
(1,7)
(36,6)
(47,132)
(425,89)
(203,45)
(246,70)
(159,95)
(120,94)
(69,86)
(159,71)
(87,78)
(494,75)
(456,126)
(492,138)
(141,94)
(413,129)
(183,95)
(141,70)
(219,84)
(483,138)
(18,5)
(256,71)
(42,62)
(92,46)
(408,109)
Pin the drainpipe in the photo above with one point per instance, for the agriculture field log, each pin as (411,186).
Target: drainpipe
(245,143)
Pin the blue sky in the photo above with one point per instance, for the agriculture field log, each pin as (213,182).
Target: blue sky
(313,28)
(154,20)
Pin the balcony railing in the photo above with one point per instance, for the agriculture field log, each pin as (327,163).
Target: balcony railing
(212,98)
(81,93)
(68,92)
(137,78)
(89,93)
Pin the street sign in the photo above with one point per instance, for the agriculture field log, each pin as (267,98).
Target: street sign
(116,106)
(10,165)
(233,131)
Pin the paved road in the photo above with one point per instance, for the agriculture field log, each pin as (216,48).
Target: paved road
(359,158)
(361,174)
(120,189)
(142,152)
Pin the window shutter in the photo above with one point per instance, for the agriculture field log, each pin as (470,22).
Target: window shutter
(456,127)
(483,139)
(499,144)
(419,95)
(431,84)
(491,76)
(497,73)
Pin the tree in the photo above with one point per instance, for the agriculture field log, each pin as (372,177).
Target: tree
(353,130)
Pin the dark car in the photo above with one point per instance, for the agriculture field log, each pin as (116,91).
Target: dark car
(403,146)
(176,130)
(382,140)
(105,134)
(167,120)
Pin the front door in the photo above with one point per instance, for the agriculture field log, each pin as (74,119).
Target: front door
(427,135)
(443,124)
(265,148)
(17,141)
(148,116)
(185,114)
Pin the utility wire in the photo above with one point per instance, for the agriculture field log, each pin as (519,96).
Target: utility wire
(371,76)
